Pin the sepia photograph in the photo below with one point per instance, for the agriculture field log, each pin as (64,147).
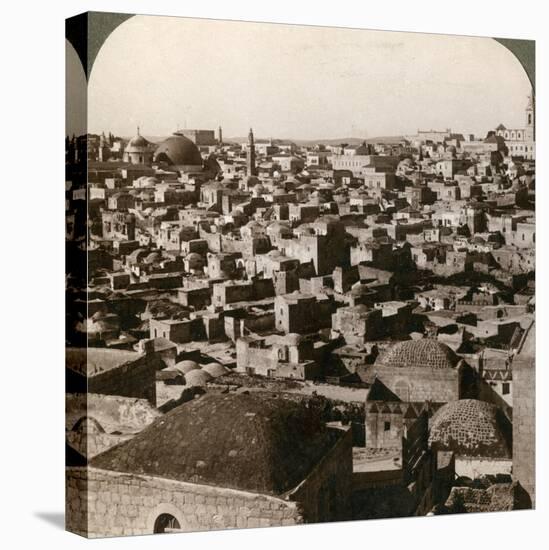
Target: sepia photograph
(299,274)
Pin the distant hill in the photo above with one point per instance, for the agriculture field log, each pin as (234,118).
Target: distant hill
(329,141)
(303,142)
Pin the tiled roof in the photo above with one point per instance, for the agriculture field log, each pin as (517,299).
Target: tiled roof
(471,428)
(427,353)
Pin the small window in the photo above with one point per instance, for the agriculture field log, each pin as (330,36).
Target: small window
(505,388)
(386,426)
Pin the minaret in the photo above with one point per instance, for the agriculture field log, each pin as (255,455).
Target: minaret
(103,148)
(220,135)
(250,158)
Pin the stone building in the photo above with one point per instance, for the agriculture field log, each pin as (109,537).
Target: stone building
(521,141)
(424,370)
(118,225)
(138,150)
(112,372)
(274,463)
(289,356)
(524,413)
(300,312)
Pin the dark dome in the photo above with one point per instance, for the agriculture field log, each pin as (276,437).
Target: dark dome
(471,428)
(426,353)
(255,442)
(178,150)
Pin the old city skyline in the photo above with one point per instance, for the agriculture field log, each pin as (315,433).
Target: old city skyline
(265,332)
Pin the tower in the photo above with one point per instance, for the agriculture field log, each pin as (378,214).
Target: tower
(530,111)
(220,135)
(250,157)
(103,148)
(530,127)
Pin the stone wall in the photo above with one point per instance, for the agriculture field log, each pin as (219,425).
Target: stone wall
(102,503)
(325,495)
(135,379)
(524,423)
(420,384)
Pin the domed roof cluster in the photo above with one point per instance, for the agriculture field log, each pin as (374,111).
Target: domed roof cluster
(424,353)
(471,428)
(178,150)
(269,445)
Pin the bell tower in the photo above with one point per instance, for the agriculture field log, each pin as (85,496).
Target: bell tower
(530,120)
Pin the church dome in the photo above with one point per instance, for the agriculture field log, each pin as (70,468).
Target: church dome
(178,150)
(425,353)
(471,428)
(137,144)
(255,442)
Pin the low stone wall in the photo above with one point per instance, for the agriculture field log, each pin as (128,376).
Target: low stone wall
(102,503)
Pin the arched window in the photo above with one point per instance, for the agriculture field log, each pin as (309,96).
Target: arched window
(166,523)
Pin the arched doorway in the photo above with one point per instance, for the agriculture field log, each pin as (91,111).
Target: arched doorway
(166,523)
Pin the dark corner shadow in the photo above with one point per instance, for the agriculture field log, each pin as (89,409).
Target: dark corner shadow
(56,519)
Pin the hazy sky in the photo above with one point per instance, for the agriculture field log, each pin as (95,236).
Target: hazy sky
(299,82)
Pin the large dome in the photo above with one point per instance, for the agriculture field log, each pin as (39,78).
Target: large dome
(178,150)
(253,442)
(471,428)
(426,353)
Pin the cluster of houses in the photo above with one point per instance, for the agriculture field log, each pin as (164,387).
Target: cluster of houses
(370,298)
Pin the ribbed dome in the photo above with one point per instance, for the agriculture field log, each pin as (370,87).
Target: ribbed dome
(471,428)
(426,353)
(178,150)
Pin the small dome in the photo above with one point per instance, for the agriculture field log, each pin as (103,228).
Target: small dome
(425,353)
(137,144)
(471,428)
(197,377)
(215,369)
(187,366)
